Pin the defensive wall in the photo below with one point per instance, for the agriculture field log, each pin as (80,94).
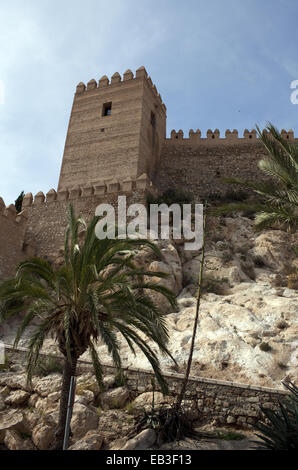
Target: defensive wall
(12,231)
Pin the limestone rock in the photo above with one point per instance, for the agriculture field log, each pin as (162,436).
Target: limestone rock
(43,435)
(2,404)
(108,382)
(17,398)
(115,398)
(10,420)
(87,394)
(144,401)
(83,420)
(142,441)
(49,384)
(91,441)
(13,441)
(15,381)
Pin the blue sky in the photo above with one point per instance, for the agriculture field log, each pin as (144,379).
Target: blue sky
(217,64)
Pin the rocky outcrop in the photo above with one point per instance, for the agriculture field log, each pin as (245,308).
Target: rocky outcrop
(115,398)
(91,441)
(142,441)
(83,420)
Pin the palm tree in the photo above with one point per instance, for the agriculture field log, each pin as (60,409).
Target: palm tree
(97,293)
(277,202)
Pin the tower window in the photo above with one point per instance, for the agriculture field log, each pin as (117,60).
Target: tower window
(107,109)
(153,120)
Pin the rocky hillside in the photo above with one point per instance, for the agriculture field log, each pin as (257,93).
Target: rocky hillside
(248,329)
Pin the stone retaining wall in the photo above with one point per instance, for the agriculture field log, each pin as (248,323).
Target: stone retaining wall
(220,402)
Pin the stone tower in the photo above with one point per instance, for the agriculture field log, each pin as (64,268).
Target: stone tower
(116,131)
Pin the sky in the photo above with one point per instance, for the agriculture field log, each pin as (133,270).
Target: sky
(217,64)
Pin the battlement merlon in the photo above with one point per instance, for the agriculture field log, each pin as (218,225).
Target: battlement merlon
(230,136)
(100,189)
(141,74)
(11,213)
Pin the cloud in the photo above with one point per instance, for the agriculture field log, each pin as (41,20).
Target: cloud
(208,60)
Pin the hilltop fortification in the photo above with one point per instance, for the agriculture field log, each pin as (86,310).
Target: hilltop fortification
(117,144)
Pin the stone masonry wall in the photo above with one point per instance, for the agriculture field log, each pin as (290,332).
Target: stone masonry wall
(48,215)
(218,401)
(198,165)
(12,231)
(115,146)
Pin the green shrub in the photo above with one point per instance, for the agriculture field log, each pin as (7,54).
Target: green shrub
(279,429)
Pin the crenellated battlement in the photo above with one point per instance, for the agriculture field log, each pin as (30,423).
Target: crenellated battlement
(230,136)
(100,189)
(117,80)
(11,213)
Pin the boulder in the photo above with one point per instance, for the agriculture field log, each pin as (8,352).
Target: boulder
(13,441)
(43,435)
(109,382)
(15,381)
(144,401)
(17,398)
(49,384)
(115,398)
(87,394)
(142,441)
(91,441)
(10,420)
(83,420)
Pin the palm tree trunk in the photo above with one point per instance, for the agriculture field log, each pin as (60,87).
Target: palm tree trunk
(69,371)
(185,381)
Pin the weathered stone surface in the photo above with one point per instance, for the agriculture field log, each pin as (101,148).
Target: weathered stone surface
(2,403)
(91,441)
(49,384)
(17,398)
(115,398)
(43,435)
(83,420)
(15,381)
(10,420)
(144,401)
(13,441)
(142,441)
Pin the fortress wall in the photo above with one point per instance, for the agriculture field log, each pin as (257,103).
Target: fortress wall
(48,215)
(198,165)
(12,231)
